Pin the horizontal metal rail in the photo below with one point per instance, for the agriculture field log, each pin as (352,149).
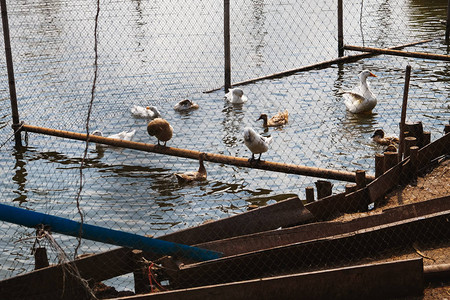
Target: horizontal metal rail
(211,157)
(399,53)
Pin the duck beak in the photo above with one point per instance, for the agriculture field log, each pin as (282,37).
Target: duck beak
(373,75)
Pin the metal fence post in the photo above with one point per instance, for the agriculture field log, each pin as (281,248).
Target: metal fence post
(11,80)
(447,24)
(341,29)
(226,37)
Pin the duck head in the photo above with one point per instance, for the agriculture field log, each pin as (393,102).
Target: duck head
(366,73)
(378,133)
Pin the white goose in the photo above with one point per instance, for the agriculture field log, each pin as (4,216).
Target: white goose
(360,99)
(149,112)
(123,135)
(236,96)
(256,143)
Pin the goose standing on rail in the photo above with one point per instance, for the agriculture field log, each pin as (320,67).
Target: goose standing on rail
(148,112)
(199,175)
(279,119)
(360,99)
(161,129)
(236,96)
(256,143)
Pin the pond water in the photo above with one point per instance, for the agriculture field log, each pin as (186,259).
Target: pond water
(159,52)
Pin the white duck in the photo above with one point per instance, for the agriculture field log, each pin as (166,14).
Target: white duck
(360,99)
(149,112)
(256,143)
(236,96)
(124,135)
(184,105)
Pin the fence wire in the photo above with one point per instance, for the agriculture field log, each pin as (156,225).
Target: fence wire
(156,53)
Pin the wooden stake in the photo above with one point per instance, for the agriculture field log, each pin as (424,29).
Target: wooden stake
(426,138)
(309,191)
(415,129)
(410,141)
(324,189)
(403,115)
(211,157)
(40,258)
(414,156)
(390,160)
(350,188)
(447,128)
(360,179)
(447,24)
(379,164)
(140,273)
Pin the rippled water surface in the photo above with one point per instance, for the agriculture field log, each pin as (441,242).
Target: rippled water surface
(159,52)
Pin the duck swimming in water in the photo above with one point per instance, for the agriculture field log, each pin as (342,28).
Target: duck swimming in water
(379,138)
(256,143)
(360,99)
(161,129)
(236,96)
(124,135)
(188,177)
(279,119)
(148,112)
(184,105)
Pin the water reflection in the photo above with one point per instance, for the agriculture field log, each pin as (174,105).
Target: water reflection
(20,175)
(232,122)
(258,31)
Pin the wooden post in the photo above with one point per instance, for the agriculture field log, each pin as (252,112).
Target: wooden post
(227,47)
(324,188)
(390,160)
(414,156)
(426,138)
(360,179)
(447,128)
(11,80)
(410,141)
(447,24)
(379,164)
(40,258)
(309,191)
(403,115)
(415,129)
(140,274)
(341,29)
(350,188)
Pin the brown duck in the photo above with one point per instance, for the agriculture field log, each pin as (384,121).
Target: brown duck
(279,119)
(161,129)
(379,138)
(191,176)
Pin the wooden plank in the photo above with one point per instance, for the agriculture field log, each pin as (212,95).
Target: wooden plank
(435,149)
(385,183)
(398,53)
(320,65)
(274,238)
(393,279)
(59,282)
(285,213)
(320,253)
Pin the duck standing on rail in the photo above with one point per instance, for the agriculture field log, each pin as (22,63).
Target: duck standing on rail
(191,176)
(256,143)
(360,99)
(161,129)
(277,120)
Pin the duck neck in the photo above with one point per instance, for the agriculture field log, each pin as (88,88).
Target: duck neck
(264,121)
(201,168)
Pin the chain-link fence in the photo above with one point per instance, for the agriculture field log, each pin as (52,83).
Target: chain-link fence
(81,66)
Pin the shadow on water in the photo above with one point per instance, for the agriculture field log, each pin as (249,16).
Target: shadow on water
(20,175)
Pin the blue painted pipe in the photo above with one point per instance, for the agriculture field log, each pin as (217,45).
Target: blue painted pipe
(32,219)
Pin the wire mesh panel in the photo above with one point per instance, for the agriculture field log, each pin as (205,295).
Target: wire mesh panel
(82,66)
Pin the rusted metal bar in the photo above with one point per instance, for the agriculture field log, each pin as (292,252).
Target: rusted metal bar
(11,80)
(226,43)
(398,53)
(324,64)
(340,28)
(217,158)
(403,114)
